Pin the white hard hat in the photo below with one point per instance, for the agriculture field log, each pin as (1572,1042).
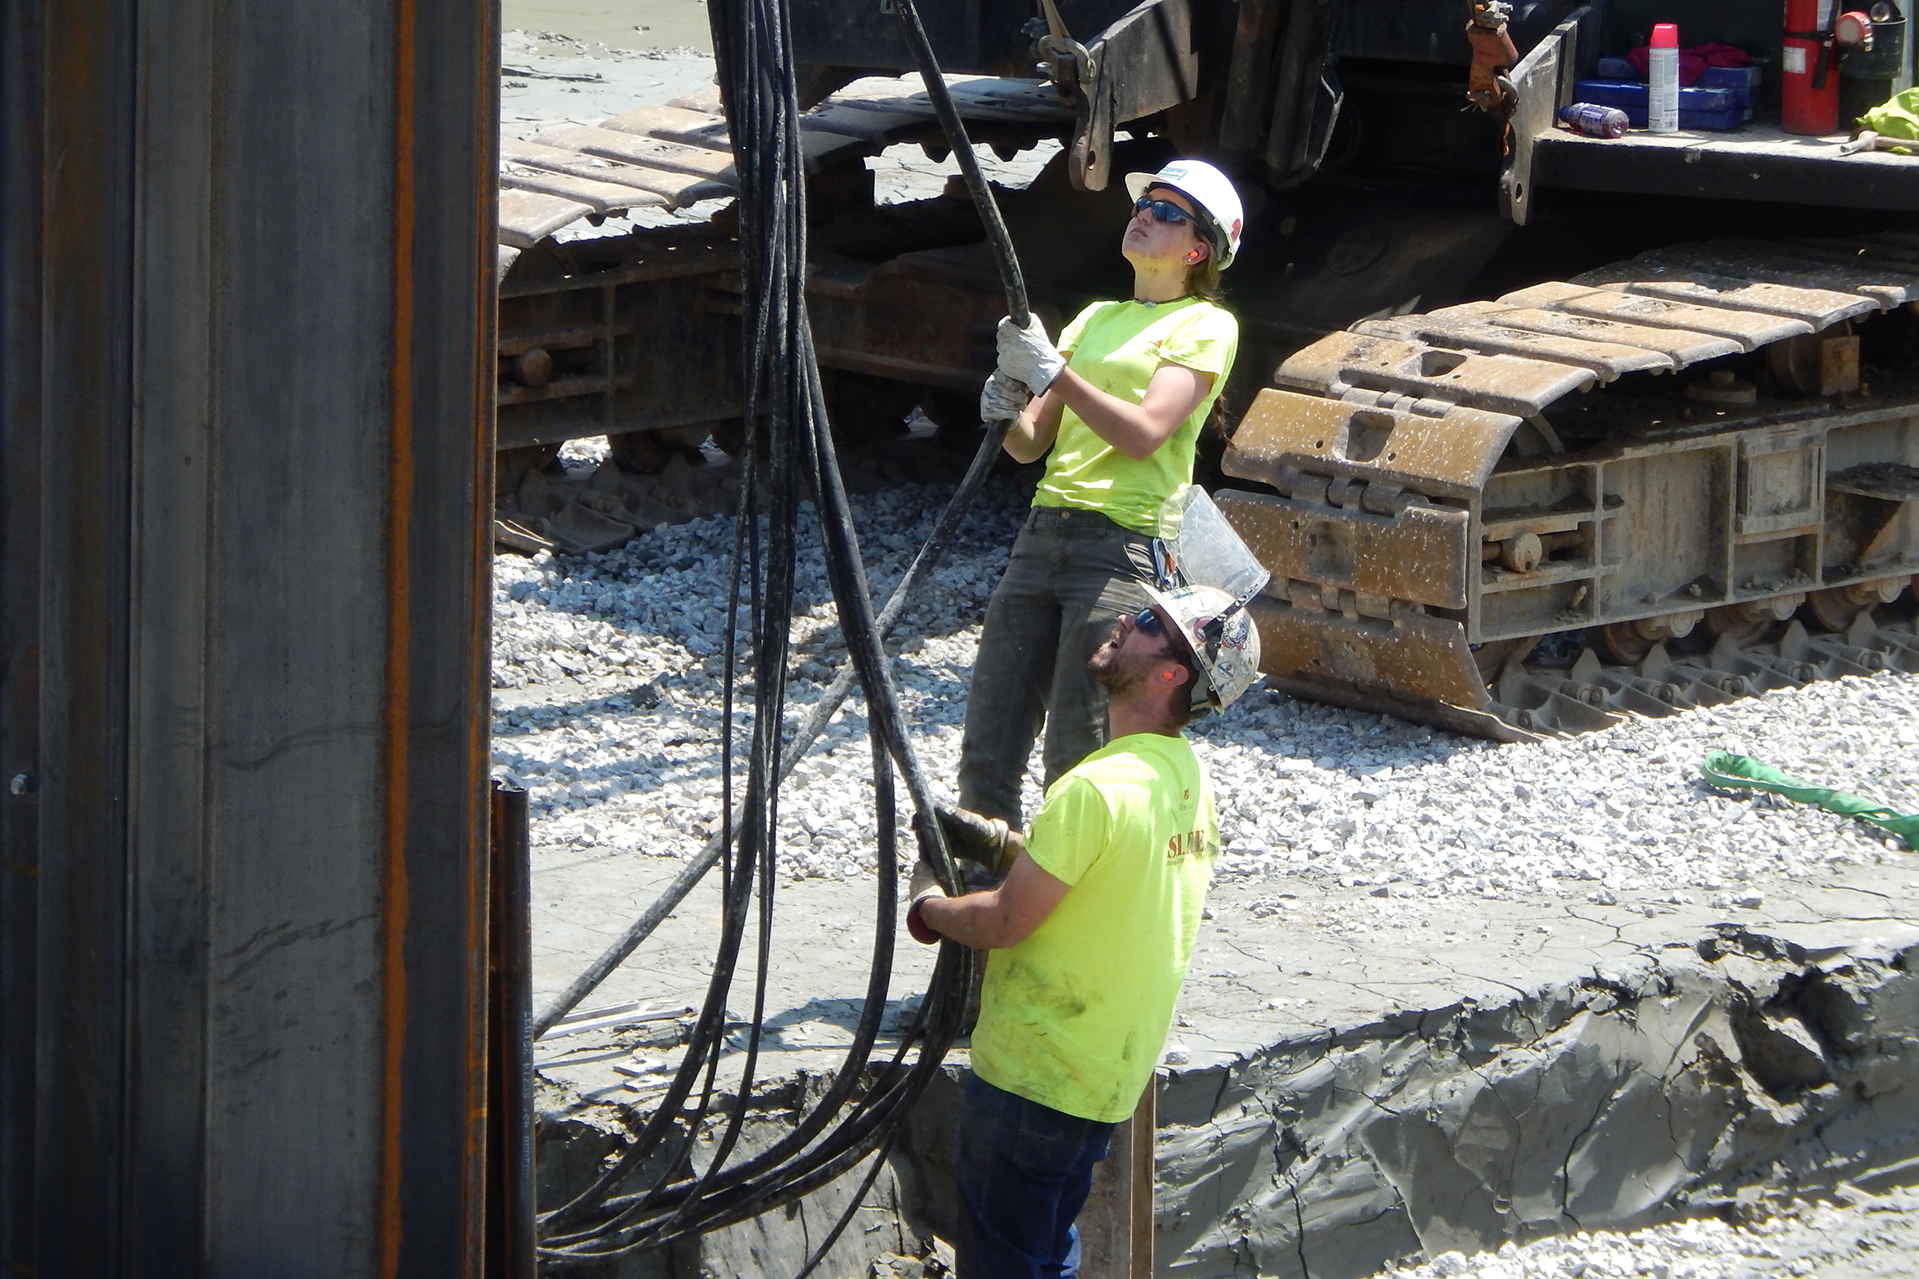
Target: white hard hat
(1220,636)
(1212,194)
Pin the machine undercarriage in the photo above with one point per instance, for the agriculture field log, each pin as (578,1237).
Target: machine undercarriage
(1523,493)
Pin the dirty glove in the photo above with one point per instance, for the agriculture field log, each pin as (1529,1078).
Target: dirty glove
(1003,399)
(924,884)
(986,840)
(1027,355)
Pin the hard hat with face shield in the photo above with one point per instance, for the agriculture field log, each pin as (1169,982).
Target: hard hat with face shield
(1219,635)
(1206,575)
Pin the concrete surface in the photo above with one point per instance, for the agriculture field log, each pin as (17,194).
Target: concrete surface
(1357,1079)
(618,24)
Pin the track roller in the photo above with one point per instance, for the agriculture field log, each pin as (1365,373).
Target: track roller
(1836,609)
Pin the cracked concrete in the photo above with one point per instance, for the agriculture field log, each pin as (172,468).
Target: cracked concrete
(1355,1080)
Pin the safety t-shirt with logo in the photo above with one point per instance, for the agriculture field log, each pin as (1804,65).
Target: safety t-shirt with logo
(1075,1017)
(1118,346)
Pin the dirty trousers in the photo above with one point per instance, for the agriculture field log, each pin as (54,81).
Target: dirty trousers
(1024,1173)
(1071,575)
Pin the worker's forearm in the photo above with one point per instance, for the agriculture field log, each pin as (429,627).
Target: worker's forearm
(1033,433)
(1128,427)
(979,920)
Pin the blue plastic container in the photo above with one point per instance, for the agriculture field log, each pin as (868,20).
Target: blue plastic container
(1713,110)
(1742,81)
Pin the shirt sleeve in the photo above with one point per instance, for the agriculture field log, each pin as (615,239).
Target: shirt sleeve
(1070,832)
(1070,335)
(1204,340)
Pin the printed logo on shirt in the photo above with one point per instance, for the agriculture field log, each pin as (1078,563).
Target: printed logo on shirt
(1185,845)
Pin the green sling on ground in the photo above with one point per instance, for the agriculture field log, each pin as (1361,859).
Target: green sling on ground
(1723,768)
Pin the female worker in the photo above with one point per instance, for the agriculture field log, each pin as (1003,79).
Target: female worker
(1115,410)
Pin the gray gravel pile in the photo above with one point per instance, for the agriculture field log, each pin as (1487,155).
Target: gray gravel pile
(1863,1235)
(608,675)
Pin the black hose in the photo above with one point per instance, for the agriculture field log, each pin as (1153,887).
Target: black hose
(808,732)
(785,398)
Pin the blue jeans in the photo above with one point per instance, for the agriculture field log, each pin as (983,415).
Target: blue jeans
(1024,1173)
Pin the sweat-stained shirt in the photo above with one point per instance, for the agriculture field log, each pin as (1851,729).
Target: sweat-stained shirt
(1075,1016)
(1118,346)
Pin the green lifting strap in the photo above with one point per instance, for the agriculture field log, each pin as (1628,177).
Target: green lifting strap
(1723,768)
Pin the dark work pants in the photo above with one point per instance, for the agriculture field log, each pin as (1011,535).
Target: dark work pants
(1072,574)
(1024,1174)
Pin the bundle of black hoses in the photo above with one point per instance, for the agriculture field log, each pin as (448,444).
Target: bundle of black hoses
(631,1206)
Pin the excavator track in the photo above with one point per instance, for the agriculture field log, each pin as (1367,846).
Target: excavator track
(1668,483)
(634,337)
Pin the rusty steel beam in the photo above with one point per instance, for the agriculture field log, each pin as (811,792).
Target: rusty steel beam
(246,273)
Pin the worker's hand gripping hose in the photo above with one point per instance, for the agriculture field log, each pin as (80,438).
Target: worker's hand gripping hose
(789,456)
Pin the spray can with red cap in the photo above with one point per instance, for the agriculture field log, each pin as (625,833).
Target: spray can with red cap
(1662,80)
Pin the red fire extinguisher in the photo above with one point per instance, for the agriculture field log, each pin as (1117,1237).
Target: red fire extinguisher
(1809,63)
(1808,74)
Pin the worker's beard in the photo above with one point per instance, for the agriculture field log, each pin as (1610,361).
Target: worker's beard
(1120,674)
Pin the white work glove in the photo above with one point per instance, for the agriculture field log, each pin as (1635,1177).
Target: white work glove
(1002,399)
(924,884)
(1028,355)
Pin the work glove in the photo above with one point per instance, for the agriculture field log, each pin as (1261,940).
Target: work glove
(1002,398)
(1028,355)
(924,884)
(986,840)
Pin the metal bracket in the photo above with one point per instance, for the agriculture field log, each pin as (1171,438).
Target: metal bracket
(1143,63)
(1541,84)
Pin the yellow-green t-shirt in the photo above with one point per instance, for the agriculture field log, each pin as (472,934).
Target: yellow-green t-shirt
(1075,1016)
(1118,346)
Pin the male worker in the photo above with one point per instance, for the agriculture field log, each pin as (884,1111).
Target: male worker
(1090,934)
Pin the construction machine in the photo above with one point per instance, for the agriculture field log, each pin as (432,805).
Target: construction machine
(1533,429)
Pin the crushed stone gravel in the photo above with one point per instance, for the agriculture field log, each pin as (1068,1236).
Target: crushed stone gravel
(607,709)
(1862,1236)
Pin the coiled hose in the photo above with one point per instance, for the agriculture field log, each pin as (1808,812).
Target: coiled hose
(789,459)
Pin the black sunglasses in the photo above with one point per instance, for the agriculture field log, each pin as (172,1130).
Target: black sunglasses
(1148,621)
(1163,210)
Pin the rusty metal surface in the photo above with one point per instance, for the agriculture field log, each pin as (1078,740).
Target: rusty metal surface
(1412,659)
(1540,85)
(1748,328)
(1679,346)
(599,196)
(632,147)
(1420,554)
(510,1113)
(1817,307)
(1285,433)
(1441,504)
(678,189)
(690,137)
(527,217)
(638,334)
(1607,359)
(1143,63)
(1500,383)
(245,674)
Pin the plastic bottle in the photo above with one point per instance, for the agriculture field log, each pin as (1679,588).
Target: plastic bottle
(1594,120)
(1662,77)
